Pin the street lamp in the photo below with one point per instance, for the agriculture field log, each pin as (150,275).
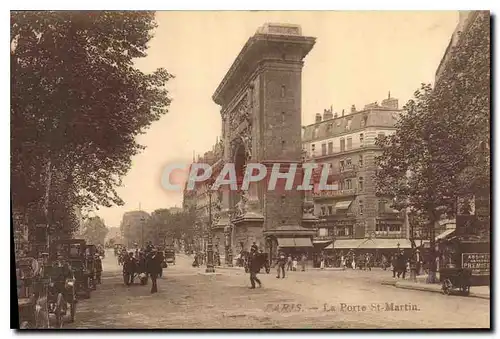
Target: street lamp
(142,232)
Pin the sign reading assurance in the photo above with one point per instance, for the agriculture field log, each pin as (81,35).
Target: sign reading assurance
(478,262)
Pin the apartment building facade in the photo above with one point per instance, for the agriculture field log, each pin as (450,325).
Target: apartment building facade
(353,216)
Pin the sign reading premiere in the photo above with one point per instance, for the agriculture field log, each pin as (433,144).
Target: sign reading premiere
(478,262)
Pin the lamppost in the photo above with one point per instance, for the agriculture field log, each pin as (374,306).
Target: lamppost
(142,231)
(210,252)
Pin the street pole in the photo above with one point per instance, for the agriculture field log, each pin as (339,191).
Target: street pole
(142,232)
(210,253)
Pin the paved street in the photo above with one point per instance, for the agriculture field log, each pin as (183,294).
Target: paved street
(189,299)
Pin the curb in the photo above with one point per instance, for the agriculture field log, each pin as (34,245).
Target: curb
(431,288)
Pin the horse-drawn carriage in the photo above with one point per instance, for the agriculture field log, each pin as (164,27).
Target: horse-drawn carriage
(465,263)
(134,268)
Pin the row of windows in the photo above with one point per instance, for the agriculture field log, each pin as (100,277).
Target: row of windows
(345,144)
(330,210)
(338,231)
(329,127)
(345,231)
(384,228)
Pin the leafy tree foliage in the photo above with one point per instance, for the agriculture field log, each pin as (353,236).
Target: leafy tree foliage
(440,151)
(94,231)
(461,102)
(176,226)
(78,103)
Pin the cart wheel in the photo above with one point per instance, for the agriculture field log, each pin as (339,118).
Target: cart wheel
(447,286)
(466,290)
(72,308)
(59,310)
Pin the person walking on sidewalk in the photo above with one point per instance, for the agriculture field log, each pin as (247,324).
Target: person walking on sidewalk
(289,263)
(254,266)
(294,264)
(281,261)
(303,262)
(153,265)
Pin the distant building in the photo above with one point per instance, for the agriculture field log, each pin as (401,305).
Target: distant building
(132,228)
(353,214)
(198,200)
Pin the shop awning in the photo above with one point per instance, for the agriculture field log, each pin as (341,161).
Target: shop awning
(345,244)
(286,242)
(445,234)
(320,242)
(392,243)
(295,242)
(369,244)
(303,242)
(343,205)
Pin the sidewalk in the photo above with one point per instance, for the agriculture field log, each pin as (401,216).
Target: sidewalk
(482,292)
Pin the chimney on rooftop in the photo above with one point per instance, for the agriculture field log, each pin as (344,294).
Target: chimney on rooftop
(353,109)
(318,117)
(342,112)
(327,114)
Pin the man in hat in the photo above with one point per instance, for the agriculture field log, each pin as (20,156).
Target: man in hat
(129,267)
(254,266)
(98,267)
(153,265)
(281,262)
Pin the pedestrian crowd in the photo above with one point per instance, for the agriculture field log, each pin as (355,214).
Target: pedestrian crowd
(144,263)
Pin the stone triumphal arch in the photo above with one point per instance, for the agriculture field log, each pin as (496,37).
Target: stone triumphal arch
(260,99)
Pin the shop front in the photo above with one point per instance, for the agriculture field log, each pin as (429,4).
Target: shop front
(294,241)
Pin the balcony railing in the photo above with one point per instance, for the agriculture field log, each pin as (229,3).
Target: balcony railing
(334,193)
(347,168)
(337,216)
(389,234)
(391,214)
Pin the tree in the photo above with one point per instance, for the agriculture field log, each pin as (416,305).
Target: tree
(94,231)
(440,151)
(172,226)
(77,104)
(409,168)
(462,98)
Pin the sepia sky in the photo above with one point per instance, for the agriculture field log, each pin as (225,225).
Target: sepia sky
(357,59)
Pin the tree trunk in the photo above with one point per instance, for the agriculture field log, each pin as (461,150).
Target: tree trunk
(432,279)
